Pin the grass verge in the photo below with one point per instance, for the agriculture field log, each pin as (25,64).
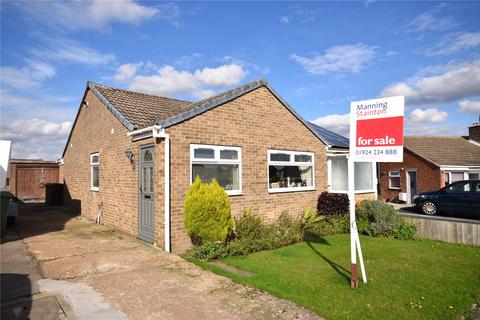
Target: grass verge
(406,279)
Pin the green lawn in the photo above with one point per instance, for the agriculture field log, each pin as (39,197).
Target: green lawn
(406,279)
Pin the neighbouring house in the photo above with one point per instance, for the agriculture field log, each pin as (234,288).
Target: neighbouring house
(431,163)
(131,157)
(27,178)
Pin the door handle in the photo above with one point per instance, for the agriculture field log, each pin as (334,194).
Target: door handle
(146,196)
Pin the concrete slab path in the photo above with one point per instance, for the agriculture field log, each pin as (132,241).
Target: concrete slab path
(136,279)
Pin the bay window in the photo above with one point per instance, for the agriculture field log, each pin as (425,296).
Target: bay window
(220,162)
(290,171)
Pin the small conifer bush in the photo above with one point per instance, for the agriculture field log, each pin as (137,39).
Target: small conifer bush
(207,212)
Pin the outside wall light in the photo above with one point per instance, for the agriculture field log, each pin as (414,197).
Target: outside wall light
(129,154)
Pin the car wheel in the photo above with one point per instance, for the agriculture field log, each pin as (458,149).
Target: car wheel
(430,208)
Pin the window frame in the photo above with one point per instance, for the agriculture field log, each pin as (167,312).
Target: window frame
(290,163)
(374,179)
(394,176)
(92,165)
(217,160)
(330,158)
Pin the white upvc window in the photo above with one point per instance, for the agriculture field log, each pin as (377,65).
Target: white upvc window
(220,162)
(290,171)
(365,175)
(456,174)
(95,172)
(394,179)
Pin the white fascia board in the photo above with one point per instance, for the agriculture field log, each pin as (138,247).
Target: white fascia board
(148,132)
(459,168)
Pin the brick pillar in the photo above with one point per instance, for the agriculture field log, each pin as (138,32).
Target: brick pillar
(442,178)
(474,132)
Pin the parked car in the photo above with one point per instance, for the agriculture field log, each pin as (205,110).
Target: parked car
(461,197)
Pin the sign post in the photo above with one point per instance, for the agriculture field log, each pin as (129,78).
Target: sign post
(376,135)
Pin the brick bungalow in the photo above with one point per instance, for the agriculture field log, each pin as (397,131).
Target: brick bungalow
(430,163)
(131,157)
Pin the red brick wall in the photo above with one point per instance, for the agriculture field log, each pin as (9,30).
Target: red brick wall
(429,176)
(474,132)
(255,122)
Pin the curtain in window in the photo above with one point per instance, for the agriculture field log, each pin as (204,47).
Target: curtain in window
(339,174)
(363,176)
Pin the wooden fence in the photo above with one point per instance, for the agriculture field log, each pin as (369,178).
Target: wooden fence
(446,229)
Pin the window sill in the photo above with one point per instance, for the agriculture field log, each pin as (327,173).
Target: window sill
(95,189)
(390,188)
(237,193)
(356,191)
(291,190)
(364,191)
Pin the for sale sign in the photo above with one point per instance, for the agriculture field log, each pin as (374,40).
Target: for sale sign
(376,130)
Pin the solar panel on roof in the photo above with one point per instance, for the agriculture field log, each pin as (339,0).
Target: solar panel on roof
(331,137)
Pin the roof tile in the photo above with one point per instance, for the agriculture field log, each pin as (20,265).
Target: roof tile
(143,110)
(453,151)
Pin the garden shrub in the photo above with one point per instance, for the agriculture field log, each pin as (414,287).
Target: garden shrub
(376,218)
(249,226)
(253,235)
(315,225)
(381,217)
(332,204)
(405,231)
(287,231)
(208,251)
(207,212)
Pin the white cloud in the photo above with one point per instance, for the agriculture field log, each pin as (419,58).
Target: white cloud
(171,82)
(187,60)
(36,138)
(203,94)
(168,82)
(37,124)
(431,129)
(62,49)
(344,58)
(456,83)
(431,21)
(126,72)
(391,53)
(30,76)
(104,12)
(222,76)
(94,14)
(455,44)
(50,107)
(299,14)
(470,106)
(285,19)
(428,115)
(339,123)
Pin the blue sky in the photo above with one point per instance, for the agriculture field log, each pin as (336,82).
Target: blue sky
(318,55)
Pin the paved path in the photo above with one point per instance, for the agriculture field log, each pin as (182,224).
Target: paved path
(137,279)
(26,295)
(20,292)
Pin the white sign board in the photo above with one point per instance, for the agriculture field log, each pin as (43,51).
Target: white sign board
(376,130)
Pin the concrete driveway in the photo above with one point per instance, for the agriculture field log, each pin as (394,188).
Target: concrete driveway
(137,279)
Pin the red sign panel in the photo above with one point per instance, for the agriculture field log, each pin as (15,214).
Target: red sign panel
(380,132)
